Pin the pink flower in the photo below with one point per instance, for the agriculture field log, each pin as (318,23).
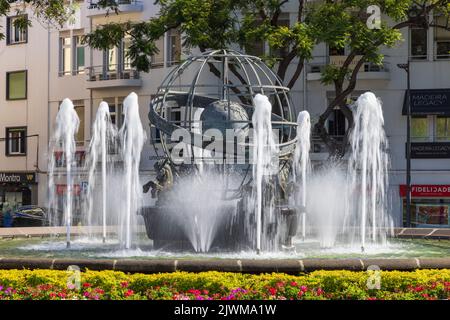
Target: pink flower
(304,288)
(86,294)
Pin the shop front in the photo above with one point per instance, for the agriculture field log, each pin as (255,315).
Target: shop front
(429,205)
(17,189)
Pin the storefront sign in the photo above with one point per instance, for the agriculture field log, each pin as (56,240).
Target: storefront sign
(18,177)
(418,190)
(61,189)
(430,150)
(428,101)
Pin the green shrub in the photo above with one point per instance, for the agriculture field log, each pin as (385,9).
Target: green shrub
(52,284)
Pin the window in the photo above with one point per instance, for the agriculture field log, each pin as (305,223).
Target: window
(79,109)
(419,43)
(283,21)
(72,56)
(430,128)
(158,58)
(66,56)
(442,128)
(420,129)
(126,60)
(79,55)
(337,123)
(333,51)
(442,38)
(14,33)
(16,85)
(173,47)
(16,141)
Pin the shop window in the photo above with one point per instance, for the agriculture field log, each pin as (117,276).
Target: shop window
(428,212)
(16,141)
(16,85)
(419,43)
(442,38)
(16,33)
(420,129)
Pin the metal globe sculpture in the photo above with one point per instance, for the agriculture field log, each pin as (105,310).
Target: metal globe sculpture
(216,90)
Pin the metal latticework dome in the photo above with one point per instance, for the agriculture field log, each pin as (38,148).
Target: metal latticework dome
(216,90)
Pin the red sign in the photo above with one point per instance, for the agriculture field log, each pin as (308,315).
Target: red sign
(61,189)
(426,190)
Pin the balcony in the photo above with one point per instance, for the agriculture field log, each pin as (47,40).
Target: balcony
(99,77)
(369,71)
(124,6)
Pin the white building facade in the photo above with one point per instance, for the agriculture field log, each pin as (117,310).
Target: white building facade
(43,65)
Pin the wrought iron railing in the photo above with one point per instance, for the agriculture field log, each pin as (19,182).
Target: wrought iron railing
(112,72)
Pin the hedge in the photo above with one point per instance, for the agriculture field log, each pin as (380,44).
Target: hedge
(95,285)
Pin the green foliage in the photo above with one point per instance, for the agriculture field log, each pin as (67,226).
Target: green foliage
(318,285)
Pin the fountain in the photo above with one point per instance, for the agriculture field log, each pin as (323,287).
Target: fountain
(368,172)
(246,187)
(265,151)
(302,165)
(132,139)
(66,127)
(103,141)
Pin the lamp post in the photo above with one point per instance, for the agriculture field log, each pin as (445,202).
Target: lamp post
(406,67)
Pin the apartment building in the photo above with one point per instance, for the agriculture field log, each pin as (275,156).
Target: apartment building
(43,65)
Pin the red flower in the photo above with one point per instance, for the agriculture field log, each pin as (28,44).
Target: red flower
(304,288)
(418,289)
(86,285)
(273,291)
(319,291)
(293,283)
(129,293)
(124,284)
(52,295)
(300,294)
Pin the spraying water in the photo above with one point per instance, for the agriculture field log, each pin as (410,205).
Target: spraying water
(265,151)
(368,171)
(103,138)
(132,137)
(66,127)
(302,163)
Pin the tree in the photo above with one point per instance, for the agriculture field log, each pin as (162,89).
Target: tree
(342,24)
(215,24)
(53,12)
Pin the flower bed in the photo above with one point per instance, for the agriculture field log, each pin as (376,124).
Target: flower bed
(100,285)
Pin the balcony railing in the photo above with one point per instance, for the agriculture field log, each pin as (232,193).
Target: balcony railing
(114,76)
(93,4)
(368,70)
(123,6)
(100,73)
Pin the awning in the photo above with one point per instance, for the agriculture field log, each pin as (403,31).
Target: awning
(428,102)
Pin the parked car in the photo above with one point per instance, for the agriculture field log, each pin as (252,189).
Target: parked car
(25,216)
